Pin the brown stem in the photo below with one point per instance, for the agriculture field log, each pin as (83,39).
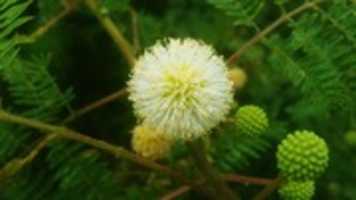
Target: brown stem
(269,189)
(68,8)
(135,30)
(113,31)
(17,164)
(73,135)
(246,179)
(177,192)
(219,188)
(22,162)
(234,57)
(53,21)
(227,177)
(96,104)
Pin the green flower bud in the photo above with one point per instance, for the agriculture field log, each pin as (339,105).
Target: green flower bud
(302,156)
(295,190)
(251,120)
(350,138)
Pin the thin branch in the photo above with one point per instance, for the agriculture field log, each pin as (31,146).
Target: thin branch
(227,177)
(269,189)
(58,131)
(49,24)
(68,8)
(247,179)
(113,31)
(177,192)
(258,37)
(337,25)
(64,132)
(96,104)
(220,188)
(21,162)
(135,30)
(15,165)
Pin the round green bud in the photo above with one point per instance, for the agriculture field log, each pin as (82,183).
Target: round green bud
(350,137)
(251,120)
(302,156)
(295,190)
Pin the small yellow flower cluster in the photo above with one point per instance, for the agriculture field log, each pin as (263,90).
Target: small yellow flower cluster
(150,143)
(238,77)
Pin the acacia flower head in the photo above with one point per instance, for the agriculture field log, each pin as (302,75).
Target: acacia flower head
(181,87)
(238,77)
(150,143)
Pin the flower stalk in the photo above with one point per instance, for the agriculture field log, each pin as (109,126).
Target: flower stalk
(114,32)
(217,189)
(63,132)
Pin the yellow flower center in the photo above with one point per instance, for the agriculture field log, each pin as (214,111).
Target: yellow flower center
(182,84)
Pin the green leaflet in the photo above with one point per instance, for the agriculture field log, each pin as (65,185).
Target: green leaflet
(10,19)
(34,91)
(317,67)
(234,151)
(116,6)
(243,11)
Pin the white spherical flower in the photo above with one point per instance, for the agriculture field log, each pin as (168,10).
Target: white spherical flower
(181,87)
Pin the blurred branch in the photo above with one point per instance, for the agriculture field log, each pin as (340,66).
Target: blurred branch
(68,8)
(66,133)
(227,177)
(336,25)
(113,31)
(247,179)
(96,104)
(218,185)
(258,37)
(135,31)
(15,165)
(269,189)
(177,192)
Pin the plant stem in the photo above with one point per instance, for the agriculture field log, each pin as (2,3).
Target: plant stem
(64,132)
(269,189)
(220,189)
(53,21)
(68,8)
(135,30)
(113,31)
(234,57)
(177,192)
(96,104)
(227,177)
(15,165)
(247,179)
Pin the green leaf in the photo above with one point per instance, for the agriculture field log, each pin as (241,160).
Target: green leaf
(280,2)
(116,6)
(318,68)
(243,11)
